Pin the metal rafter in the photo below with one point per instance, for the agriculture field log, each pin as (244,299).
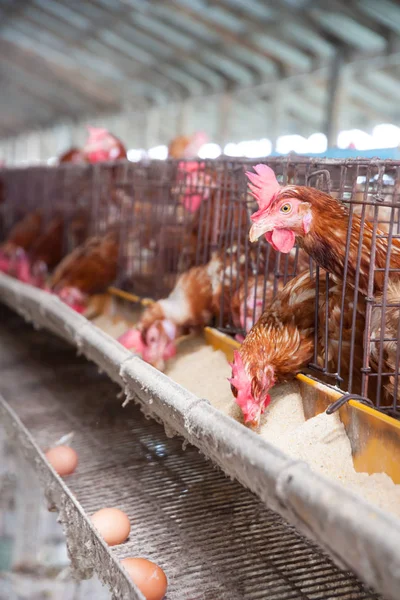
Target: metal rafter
(99,56)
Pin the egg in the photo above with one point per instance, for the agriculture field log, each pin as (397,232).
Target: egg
(63,459)
(112,524)
(149,577)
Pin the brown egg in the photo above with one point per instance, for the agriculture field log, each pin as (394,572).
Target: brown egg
(112,524)
(63,459)
(149,577)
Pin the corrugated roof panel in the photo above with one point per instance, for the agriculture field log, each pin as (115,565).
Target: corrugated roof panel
(255,8)
(213,14)
(193,27)
(350,31)
(144,39)
(259,63)
(114,40)
(193,85)
(289,54)
(105,53)
(64,13)
(229,67)
(384,11)
(307,39)
(25,41)
(42,18)
(170,34)
(206,74)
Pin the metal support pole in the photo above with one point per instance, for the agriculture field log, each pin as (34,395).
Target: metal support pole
(184,118)
(224,114)
(277,113)
(334,103)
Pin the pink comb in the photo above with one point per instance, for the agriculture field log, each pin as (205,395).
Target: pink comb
(132,339)
(96,133)
(264,185)
(239,376)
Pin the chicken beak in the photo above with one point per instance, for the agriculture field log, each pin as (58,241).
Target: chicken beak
(255,423)
(159,364)
(258,229)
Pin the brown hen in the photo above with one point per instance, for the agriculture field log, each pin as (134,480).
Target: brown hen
(282,342)
(87,270)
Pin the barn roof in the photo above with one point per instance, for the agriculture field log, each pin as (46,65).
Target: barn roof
(63,60)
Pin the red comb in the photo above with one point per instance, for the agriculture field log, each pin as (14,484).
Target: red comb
(96,132)
(264,185)
(239,376)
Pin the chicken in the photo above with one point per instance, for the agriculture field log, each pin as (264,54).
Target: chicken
(383,344)
(21,237)
(102,146)
(247,303)
(24,233)
(191,176)
(87,270)
(73,155)
(277,347)
(217,290)
(282,342)
(320,225)
(48,247)
(186,146)
(19,266)
(189,306)
(77,228)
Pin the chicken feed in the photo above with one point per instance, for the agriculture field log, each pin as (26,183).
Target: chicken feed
(321,441)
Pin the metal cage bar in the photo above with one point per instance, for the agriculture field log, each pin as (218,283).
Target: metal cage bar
(173,215)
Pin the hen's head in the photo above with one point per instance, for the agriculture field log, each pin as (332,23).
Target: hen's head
(102,146)
(159,343)
(251,391)
(283,214)
(75,299)
(156,344)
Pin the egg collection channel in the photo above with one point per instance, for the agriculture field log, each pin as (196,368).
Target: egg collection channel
(114,527)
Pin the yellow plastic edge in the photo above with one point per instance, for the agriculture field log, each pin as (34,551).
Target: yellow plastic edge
(335,395)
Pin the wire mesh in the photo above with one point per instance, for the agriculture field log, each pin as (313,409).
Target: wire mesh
(172,215)
(214,539)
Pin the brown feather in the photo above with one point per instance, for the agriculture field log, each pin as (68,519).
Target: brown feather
(283,338)
(91,267)
(24,233)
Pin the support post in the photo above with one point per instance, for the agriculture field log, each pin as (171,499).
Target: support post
(277,113)
(184,118)
(224,110)
(335,98)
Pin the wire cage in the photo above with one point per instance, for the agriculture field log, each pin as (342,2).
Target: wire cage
(357,315)
(172,215)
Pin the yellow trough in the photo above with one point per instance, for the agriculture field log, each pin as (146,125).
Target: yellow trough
(374,436)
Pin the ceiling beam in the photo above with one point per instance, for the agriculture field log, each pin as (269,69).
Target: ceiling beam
(90,70)
(226,34)
(135,65)
(385,12)
(49,64)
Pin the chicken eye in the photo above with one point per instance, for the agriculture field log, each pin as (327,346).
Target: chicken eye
(286,208)
(234,391)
